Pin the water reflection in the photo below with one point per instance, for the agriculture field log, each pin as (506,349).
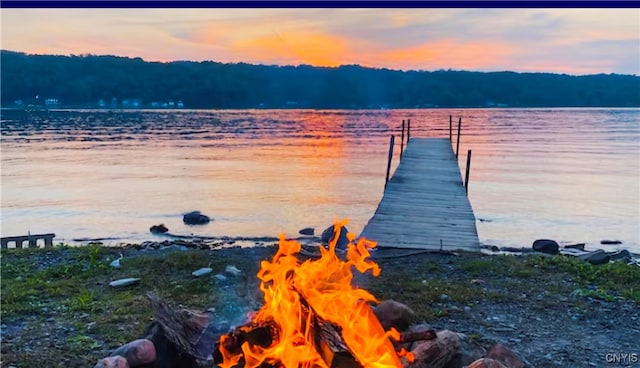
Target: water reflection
(571,174)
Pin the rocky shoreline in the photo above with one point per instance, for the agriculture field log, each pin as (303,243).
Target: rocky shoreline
(58,309)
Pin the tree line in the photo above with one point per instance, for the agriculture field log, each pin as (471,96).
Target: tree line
(86,80)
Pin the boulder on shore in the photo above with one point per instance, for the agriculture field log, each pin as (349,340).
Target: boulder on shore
(329,233)
(195,218)
(597,257)
(546,246)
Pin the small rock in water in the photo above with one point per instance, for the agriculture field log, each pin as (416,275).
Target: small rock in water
(195,218)
(232,270)
(202,271)
(124,282)
(112,362)
(610,242)
(158,229)
(307,231)
(546,246)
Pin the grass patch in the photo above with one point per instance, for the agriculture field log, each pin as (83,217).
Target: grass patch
(64,292)
(616,278)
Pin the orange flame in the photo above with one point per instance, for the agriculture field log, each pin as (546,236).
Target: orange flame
(324,287)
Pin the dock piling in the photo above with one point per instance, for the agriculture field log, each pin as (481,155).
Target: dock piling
(466,175)
(458,140)
(450,130)
(391,141)
(402,140)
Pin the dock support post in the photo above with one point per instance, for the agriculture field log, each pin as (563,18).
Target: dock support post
(466,175)
(389,161)
(450,130)
(458,140)
(408,130)
(402,140)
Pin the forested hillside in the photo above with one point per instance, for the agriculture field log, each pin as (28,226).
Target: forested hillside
(88,80)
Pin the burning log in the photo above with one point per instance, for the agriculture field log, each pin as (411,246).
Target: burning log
(301,303)
(327,337)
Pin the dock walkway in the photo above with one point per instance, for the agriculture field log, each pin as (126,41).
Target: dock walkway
(425,202)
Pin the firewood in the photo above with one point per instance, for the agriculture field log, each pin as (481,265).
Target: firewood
(411,336)
(332,347)
(436,353)
(255,334)
(183,328)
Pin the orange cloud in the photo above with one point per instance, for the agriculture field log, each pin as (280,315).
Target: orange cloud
(315,49)
(449,53)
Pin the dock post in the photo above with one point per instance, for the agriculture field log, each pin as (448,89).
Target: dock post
(389,161)
(402,140)
(408,130)
(450,130)
(466,175)
(458,140)
(32,241)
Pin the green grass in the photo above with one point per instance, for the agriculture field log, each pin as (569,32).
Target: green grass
(71,286)
(615,278)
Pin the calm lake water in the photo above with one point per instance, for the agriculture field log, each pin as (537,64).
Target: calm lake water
(572,175)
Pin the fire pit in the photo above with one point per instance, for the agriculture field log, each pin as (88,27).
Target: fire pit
(312,314)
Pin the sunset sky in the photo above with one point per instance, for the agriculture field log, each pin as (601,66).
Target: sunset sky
(573,41)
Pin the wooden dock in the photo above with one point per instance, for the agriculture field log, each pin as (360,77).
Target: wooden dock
(31,240)
(425,202)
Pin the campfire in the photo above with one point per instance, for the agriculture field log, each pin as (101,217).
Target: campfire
(312,315)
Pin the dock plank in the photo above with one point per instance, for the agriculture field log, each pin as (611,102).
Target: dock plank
(425,202)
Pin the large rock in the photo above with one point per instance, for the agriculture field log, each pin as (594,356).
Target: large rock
(329,233)
(505,356)
(621,255)
(137,352)
(394,314)
(470,351)
(597,257)
(195,218)
(546,246)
